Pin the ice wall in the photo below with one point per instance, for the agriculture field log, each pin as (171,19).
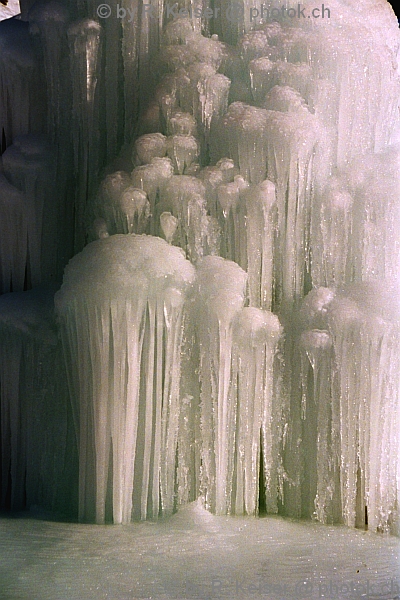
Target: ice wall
(264,152)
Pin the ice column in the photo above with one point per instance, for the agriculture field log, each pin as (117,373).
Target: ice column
(320,412)
(120,310)
(256,394)
(364,321)
(221,293)
(261,234)
(241,408)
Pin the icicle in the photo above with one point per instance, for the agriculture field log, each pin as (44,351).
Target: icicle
(284,98)
(152,179)
(212,177)
(181,123)
(261,222)
(107,203)
(265,74)
(169,224)
(85,45)
(280,146)
(332,262)
(364,323)
(213,98)
(242,131)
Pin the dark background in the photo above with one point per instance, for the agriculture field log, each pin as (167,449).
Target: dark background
(396,9)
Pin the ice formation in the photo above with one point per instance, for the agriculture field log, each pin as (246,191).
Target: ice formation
(36,420)
(125,384)
(249,358)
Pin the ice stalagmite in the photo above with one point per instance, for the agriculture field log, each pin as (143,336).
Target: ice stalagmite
(120,310)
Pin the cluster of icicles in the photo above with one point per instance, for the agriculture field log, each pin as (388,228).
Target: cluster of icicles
(232,329)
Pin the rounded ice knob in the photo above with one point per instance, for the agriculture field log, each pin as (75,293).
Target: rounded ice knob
(227,167)
(133,201)
(169,224)
(183,150)
(150,146)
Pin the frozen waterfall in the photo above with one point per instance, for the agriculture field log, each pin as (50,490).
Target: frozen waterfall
(200,261)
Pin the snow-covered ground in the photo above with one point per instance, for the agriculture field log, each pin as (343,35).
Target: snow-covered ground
(194,555)
(10,10)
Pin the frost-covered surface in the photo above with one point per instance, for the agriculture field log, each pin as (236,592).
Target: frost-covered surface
(195,555)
